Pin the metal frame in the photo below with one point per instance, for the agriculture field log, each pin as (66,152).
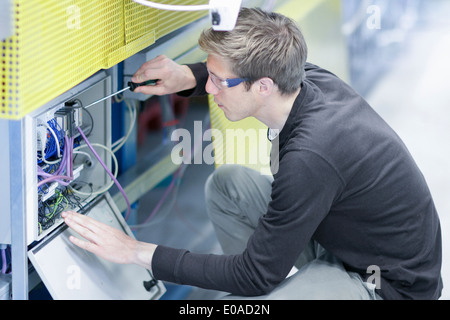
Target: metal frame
(19,258)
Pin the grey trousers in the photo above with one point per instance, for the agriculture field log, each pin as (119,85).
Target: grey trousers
(236,197)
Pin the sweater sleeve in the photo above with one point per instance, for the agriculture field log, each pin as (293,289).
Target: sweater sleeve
(280,237)
(201,76)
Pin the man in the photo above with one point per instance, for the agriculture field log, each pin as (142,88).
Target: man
(347,207)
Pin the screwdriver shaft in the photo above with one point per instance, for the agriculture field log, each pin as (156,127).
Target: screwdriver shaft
(111,95)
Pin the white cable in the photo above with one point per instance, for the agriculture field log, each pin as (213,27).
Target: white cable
(116,165)
(83,153)
(133,117)
(56,139)
(51,162)
(170,7)
(58,148)
(43,142)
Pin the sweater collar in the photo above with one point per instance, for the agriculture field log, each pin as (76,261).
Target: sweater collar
(293,117)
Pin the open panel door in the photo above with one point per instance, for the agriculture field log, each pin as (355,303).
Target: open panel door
(71,273)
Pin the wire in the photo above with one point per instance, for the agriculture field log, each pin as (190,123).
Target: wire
(76,151)
(72,199)
(53,145)
(170,7)
(4,264)
(90,116)
(109,173)
(50,210)
(174,186)
(65,162)
(58,149)
(133,114)
(115,171)
(50,145)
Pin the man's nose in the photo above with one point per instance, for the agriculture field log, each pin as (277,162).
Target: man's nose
(211,87)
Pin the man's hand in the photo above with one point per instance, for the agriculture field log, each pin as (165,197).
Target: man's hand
(107,242)
(172,77)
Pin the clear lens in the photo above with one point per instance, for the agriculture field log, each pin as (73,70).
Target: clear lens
(219,83)
(223,84)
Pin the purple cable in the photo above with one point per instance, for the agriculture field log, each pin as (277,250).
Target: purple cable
(3,261)
(166,193)
(65,162)
(109,173)
(64,159)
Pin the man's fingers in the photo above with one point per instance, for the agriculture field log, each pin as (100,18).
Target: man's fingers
(157,90)
(86,245)
(83,220)
(149,74)
(83,225)
(149,70)
(82,244)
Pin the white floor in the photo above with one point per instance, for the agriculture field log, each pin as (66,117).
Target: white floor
(414,98)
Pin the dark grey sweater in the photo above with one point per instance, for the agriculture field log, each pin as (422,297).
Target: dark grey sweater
(346,180)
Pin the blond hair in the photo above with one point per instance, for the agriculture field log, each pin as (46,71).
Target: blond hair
(261,45)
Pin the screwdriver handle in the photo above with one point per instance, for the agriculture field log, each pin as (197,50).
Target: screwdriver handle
(134,85)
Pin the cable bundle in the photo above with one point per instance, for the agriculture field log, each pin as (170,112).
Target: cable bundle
(56,173)
(64,174)
(51,144)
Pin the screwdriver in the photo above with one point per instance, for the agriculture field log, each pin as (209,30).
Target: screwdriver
(131,85)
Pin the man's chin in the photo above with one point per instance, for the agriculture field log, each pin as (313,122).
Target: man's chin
(231,119)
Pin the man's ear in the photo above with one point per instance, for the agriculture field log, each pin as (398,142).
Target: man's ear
(265,86)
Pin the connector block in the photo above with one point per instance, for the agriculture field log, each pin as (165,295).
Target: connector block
(69,118)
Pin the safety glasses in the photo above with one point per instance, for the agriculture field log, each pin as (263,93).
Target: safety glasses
(226,83)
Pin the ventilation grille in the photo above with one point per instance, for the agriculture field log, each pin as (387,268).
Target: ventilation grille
(58,44)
